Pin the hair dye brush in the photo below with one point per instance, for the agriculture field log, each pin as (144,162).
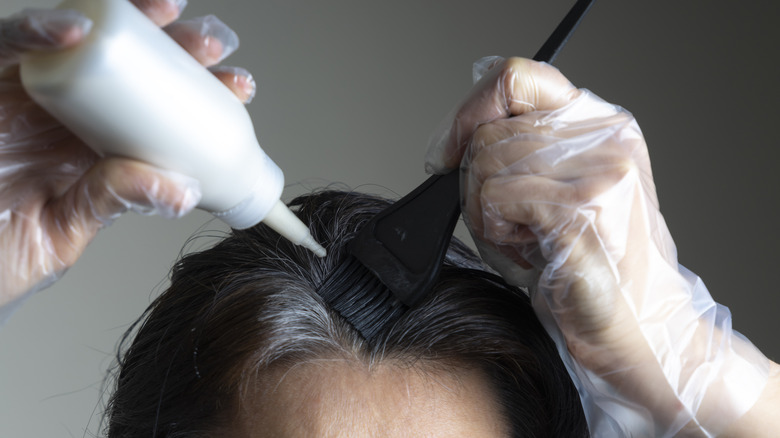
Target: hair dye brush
(396,257)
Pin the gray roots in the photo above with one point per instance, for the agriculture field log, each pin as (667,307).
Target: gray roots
(251,304)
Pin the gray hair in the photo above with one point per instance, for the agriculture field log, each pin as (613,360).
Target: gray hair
(251,303)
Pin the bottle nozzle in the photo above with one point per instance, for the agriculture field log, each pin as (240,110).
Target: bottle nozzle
(286,223)
(313,246)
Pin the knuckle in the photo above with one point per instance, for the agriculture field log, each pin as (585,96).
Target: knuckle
(495,132)
(620,167)
(515,63)
(484,135)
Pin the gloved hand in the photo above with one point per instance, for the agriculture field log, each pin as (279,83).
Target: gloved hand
(55,192)
(556,179)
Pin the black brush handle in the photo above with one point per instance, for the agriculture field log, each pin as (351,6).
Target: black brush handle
(563,32)
(416,230)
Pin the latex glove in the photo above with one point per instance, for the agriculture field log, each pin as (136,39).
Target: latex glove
(55,192)
(555,178)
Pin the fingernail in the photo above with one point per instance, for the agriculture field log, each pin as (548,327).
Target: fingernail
(435,165)
(190,197)
(212,27)
(434,157)
(56,26)
(180,4)
(249,86)
(484,65)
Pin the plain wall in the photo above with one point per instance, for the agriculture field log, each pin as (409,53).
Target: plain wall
(349,91)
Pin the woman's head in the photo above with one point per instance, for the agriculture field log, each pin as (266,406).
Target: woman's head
(241,344)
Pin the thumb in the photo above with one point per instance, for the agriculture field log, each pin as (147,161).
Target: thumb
(510,88)
(110,188)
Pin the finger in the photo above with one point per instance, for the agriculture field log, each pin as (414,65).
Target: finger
(511,88)
(513,208)
(482,66)
(533,201)
(523,224)
(40,30)
(109,189)
(526,256)
(208,39)
(594,168)
(569,233)
(239,80)
(586,138)
(519,204)
(161,12)
(505,260)
(498,130)
(116,185)
(518,155)
(513,240)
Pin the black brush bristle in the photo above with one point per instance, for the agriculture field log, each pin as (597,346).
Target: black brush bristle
(357,295)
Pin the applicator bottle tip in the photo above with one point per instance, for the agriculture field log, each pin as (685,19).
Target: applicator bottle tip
(286,223)
(312,245)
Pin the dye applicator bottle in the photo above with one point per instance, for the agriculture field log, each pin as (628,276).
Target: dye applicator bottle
(130,90)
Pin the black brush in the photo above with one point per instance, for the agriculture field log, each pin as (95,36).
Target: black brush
(396,257)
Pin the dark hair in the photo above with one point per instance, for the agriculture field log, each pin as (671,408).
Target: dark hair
(251,302)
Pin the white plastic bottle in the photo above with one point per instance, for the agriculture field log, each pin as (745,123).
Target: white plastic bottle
(130,90)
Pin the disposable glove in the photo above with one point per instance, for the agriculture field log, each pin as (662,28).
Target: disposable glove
(55,192)
(556,179)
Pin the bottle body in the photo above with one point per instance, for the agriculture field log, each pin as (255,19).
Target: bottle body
(130,90)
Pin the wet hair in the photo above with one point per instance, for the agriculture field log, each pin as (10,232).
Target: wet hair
(252,302)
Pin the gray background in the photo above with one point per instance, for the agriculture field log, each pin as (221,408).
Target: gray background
(349,92)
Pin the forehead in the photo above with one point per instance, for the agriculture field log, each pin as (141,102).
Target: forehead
(338,399)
